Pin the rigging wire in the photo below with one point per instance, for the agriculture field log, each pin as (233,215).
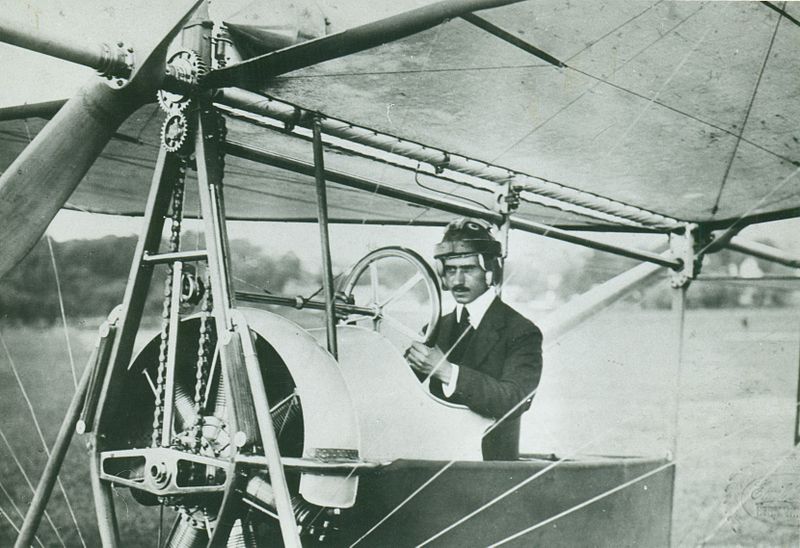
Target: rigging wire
(747,495)
(11,500)
(450,193)
(17,510)
(518,486)
(734,224)
(578,506)
(426,61)
(14,525)
(715,207)
(584,93)
(591,501)
(450,463)
(613,85)
(652,99)
(63,314)
(685,114)
(402,503)
(585,503)
(30,485)
(615,30)
(410,71)
(704,514)
(659,103)
(41,435)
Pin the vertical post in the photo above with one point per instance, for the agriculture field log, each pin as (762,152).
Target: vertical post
(209,177)
(322,213)
(797,409)
(679,313)
(51,469)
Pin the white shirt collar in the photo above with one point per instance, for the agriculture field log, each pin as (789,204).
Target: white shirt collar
(477,308)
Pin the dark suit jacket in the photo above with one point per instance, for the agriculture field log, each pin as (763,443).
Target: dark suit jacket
(501,366)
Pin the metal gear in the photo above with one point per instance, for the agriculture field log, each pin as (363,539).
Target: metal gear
(174,132)
(187,67)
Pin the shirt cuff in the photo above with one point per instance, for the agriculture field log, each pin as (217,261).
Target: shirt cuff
(450,388)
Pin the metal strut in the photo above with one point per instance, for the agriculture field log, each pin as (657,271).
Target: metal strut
(322,212)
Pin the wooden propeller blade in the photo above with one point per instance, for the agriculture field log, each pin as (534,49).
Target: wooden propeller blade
(251,74)
(46,109)
(38,183)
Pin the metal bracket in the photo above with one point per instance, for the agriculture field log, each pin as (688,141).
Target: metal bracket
(439,167)
(506,202)
(688,246)
(118,62)
(290,123)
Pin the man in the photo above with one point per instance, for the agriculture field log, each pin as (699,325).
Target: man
(487,356)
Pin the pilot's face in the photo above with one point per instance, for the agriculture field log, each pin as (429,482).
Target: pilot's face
(465,278)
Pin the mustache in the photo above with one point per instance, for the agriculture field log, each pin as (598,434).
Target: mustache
(459,288)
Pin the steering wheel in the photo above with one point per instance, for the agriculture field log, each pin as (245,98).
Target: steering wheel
(401,290)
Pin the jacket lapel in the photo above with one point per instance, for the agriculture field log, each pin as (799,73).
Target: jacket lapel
(446,327)
(486,336)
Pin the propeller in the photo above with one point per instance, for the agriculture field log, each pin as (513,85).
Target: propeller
(38,183)
(253,73)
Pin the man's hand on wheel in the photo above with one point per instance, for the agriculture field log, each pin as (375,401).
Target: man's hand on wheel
(429,361)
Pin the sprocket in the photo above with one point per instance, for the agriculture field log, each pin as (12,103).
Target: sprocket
(187,67)
(174,132)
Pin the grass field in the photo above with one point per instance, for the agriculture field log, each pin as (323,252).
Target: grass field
(610,387)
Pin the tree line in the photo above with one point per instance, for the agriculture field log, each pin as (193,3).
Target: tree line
(93,275)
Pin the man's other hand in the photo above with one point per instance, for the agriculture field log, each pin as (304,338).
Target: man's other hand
(429,361)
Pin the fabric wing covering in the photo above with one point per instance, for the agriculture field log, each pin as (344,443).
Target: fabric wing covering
(686,109)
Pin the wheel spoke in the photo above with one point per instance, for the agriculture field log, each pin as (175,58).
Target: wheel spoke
(359,318)
(401,328)
(211,373)
(403,289)
(353,287)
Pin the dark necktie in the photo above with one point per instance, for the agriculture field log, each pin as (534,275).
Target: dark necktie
(463,322)
(459,342)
